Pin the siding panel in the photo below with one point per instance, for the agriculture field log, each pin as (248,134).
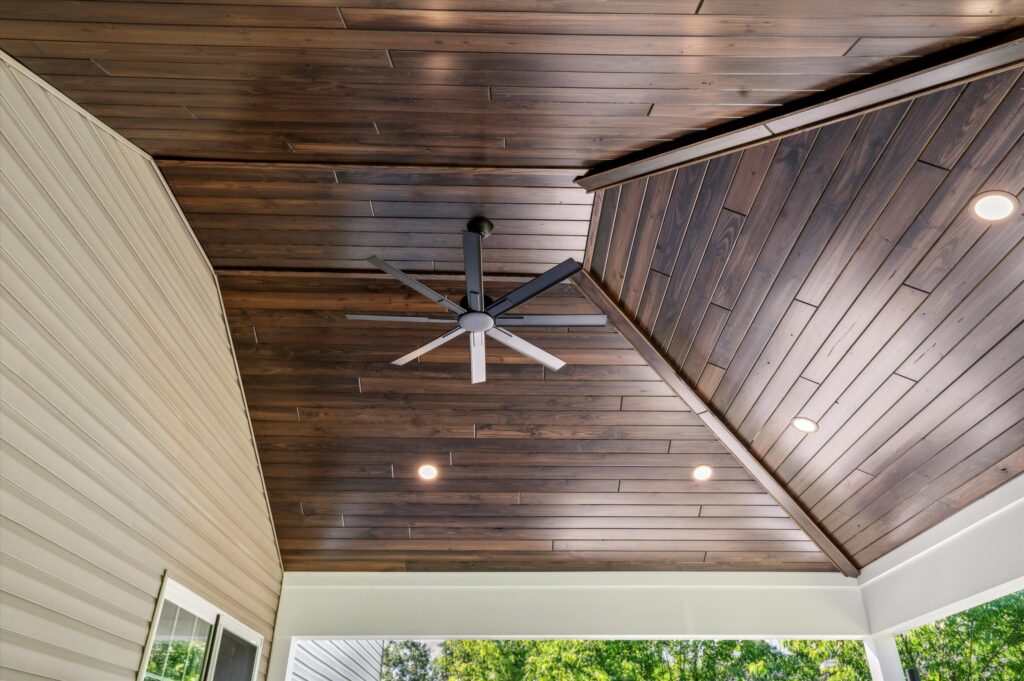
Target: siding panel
(337,660)
(126,449)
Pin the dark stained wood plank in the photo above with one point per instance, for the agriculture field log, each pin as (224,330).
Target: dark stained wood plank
(866,7)
(522,82)
(868,297)
(164,31)
(678,22)
(761,284)
(727,230)
(750,174)
(156,13)
(660,364)
(966,118)
(648,229)
(787,161)
(548,522)
(596,452)
(698,232)
(642,63)
(600,241)
(620,244)
(704,340)
(685,190)
(277,215)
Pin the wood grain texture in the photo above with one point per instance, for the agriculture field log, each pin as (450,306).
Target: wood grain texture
(858,290)
(312,216)
(586,468)
(517,83)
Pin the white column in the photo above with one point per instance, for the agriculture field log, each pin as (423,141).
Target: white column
(884,658)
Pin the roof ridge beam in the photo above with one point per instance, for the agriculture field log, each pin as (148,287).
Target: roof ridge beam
(955,65)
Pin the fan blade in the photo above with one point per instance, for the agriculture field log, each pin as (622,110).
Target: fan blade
(526,348)
(538,285)
(553,320)
(436,343)
(422,289)
(399,318)
(477,357)
(472,255)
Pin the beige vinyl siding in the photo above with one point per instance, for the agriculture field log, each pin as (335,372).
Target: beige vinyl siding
(336,660)
(126,447)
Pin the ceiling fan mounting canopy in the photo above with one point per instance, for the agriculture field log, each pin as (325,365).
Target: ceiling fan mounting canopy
(479,315)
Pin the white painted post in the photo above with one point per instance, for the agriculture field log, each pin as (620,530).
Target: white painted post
(884,658)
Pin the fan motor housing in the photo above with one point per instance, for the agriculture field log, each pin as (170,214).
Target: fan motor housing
(476,321)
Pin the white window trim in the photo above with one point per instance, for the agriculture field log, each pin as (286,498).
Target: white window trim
(182,596)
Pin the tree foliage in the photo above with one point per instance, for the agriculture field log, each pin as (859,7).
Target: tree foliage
(986,642)
(568,660)
(406,661)
(982,644)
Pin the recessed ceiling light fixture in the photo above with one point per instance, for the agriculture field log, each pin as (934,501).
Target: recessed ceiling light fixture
(702,472)
(804,424)
(995,206)
(427,471)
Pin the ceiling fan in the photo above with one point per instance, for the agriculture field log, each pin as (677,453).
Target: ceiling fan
(480,316)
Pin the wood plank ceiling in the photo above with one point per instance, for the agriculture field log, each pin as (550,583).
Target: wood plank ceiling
(552,83)
(313,216)
(840,274)
(586,468)
(304,135)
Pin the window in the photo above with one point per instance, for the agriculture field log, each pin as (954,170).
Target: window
(193,640)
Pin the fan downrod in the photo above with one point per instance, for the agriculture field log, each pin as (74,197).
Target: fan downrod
(480,225)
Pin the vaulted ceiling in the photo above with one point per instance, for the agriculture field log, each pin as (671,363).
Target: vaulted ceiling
(840,274)
(835,273)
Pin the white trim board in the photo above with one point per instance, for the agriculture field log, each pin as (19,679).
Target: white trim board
(972,557)
(658,605)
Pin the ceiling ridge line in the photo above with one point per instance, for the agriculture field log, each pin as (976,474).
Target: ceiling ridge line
(950,67)
(594,292)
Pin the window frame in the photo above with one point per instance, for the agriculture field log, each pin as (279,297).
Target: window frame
(183,597)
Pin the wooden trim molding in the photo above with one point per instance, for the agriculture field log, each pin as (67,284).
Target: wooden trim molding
(950,67)
(638,339)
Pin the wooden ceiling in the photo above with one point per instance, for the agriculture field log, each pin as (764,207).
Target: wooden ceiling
(311,216)
(586,468)
(553,83)
(840,274)
(834,273)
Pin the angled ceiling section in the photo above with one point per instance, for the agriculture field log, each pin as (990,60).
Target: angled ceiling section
(587,468)
(568,83)
(840,274)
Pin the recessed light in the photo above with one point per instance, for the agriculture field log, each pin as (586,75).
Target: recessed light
(995,206)
(427,471)
(804,424)
(702,472)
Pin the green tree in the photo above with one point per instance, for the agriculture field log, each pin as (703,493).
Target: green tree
(830,659)
(406,661)
(982,644)
(986,642)
(595,661)
(483,660)
(567,660)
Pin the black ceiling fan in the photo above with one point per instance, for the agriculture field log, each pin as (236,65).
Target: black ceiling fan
(479,315)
